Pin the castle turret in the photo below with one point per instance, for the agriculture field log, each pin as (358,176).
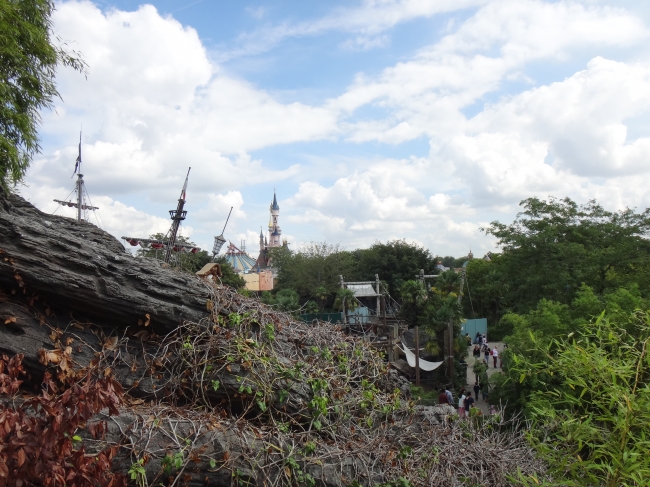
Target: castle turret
(275,233)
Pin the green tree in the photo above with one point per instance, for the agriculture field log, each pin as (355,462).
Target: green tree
(488,290)
(554,247)
(28,64)
(313,267)
(345,299)
(396,262)
(321,294)
(287,300)
(448,282)
(591,410)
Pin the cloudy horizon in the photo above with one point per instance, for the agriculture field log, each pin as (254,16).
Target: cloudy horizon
(373,120)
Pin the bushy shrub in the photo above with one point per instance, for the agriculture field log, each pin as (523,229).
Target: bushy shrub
(591,406)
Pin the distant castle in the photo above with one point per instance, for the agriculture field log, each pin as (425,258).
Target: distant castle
(258,274)
(275,236)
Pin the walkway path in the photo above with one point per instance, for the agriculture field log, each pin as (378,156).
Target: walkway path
(470,373)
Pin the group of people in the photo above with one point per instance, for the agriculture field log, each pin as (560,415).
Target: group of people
(482,347)
(465,400)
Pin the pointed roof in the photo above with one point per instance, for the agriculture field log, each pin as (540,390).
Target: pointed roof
(275,206)
(261,234)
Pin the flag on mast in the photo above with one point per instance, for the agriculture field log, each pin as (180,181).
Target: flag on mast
(76,166)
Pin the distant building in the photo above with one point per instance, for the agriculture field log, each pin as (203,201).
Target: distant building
(240,261)
(259,281)
(274,237)
(275,232)
(259,274)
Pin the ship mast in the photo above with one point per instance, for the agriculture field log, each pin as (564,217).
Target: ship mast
(80,182)
(80,188)
(177,216)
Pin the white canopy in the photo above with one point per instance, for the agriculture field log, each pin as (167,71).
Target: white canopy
(424,364)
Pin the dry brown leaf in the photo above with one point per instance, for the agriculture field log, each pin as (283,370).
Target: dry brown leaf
(47,356)
(78,326)
(107,371)
(111,343)
(10,320)
(56,334)
(146,323)
(135,402)
(142,335)
(63,364)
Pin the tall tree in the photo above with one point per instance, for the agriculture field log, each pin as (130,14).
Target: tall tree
(313,270)
(28,63)
(555,246)
(396,262)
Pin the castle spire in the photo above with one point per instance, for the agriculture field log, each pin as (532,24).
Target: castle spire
(274,228)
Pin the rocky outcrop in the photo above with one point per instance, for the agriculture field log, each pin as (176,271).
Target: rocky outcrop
(77,265)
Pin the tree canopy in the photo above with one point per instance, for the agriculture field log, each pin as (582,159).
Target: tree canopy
(555,246)
(314,270)
(28,63)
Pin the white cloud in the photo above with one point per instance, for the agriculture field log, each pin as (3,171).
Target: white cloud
(155,103)
(556,138)
(256,12)
(425,96)
(369,20)
(365,43)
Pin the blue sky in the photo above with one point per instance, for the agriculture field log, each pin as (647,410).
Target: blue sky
(372,119)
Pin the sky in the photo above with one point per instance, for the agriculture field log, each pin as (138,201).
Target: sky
(372,120)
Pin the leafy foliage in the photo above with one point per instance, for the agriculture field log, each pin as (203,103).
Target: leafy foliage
(314,270)
(563,245)
(591,403)
(28,63)
(40,442)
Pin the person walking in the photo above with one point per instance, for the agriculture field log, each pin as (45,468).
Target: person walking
(486,354)
(461,405)
(469,401)
(477,340)
(477,389)
(495,356)
(442,397)
(476,353)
